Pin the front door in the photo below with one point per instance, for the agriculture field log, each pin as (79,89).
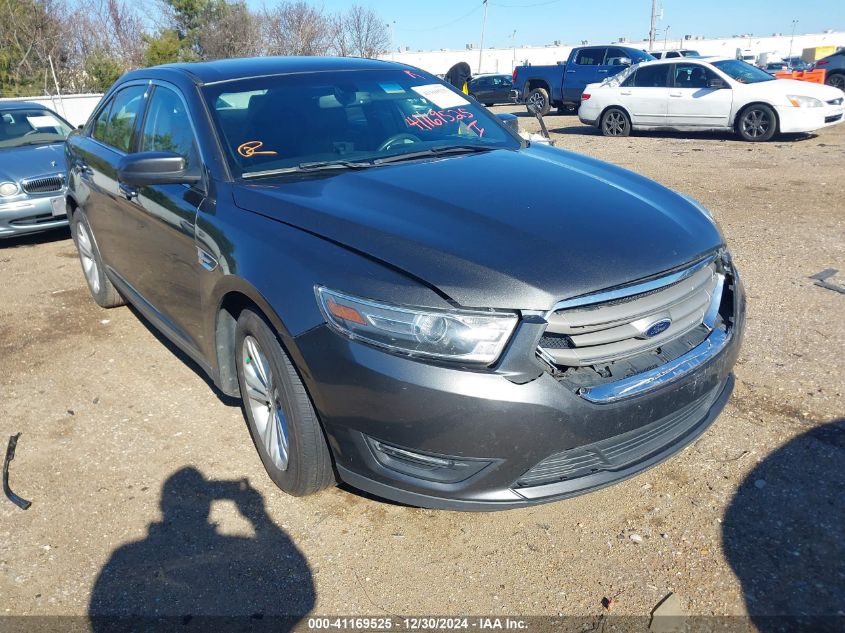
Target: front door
(583,70)
(693,102)
(166,266)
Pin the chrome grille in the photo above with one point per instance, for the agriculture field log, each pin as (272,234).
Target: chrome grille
(44,184)
(621,326)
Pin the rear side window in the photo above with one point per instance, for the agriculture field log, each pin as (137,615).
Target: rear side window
(672,54)
(650,77)
(167,127)
(115,124)
(590,57)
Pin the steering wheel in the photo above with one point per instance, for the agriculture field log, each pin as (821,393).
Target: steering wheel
(403,136)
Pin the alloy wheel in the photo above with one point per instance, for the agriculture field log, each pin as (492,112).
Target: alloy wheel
(837,81)
(615,123)
(263,400)
(86,254)
(537,102)
(756,123)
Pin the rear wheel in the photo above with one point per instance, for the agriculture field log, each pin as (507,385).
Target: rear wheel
(757,123)
(279,413)
(615,122)
(103,291)
(538,101)
(837,80)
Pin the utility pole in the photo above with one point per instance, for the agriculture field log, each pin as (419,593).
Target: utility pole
(513,47)
(666,36)
(652,30)
(789,57)
(483,26)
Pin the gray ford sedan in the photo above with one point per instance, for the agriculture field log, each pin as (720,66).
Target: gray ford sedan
(32,168)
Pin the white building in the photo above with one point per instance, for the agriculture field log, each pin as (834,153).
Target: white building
(503,60)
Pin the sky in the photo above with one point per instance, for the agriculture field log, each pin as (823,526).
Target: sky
(434,24)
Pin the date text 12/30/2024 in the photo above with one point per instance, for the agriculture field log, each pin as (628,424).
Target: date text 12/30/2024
(417,624)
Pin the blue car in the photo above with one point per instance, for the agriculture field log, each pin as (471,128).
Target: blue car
(32,168)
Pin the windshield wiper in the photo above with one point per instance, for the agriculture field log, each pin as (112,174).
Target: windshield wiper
(306,167)
(435,151)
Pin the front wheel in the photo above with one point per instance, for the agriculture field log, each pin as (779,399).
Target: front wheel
(279,413)
(757,123)
(615,122)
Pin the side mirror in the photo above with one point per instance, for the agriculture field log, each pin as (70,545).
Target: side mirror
(155,168)
(509,120)
(624,61)
(716,83)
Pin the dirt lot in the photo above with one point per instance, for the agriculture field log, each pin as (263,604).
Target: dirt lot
(126,450)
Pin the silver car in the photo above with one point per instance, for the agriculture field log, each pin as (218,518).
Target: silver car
(33,172)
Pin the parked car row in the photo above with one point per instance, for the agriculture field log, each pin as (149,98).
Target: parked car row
(708,94)
(302,229)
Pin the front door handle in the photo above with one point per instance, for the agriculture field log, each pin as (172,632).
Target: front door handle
(676,94)
(625,92)
(127,191)
(602,70)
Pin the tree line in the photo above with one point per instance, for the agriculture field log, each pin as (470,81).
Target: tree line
(85,45)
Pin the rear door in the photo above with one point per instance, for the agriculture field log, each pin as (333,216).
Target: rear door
(692,100)
(481,88)
(583,70)
(645,95)
(110,137)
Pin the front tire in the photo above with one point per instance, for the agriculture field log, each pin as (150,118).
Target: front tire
(757,123)
(281,419)
(538,100)
(102,290)
(615,122)
(836,80)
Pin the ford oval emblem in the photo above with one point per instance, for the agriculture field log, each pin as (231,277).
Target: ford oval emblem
(658,327)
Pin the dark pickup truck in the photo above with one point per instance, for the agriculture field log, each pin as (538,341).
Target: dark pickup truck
(561,85)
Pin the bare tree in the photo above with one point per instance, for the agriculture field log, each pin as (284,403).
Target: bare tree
(338,35)
(367,33)
(295,28)
(232,32)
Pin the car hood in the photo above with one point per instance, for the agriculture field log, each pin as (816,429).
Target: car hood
(17,163)
(794,87)
(503,229)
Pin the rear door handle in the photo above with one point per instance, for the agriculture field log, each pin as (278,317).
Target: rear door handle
(624,92)
(570,71)
(676,94)
(602,70)
(128,191)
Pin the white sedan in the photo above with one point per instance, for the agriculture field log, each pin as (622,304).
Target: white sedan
(708,94)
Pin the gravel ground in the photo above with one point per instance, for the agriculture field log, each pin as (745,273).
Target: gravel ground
(135,466)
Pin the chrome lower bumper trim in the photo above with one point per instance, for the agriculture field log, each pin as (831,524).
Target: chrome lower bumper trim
(659,376)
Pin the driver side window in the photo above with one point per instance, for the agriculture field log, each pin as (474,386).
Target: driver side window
(167,127)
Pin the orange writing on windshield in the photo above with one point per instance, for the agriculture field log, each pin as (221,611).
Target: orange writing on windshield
(251,148)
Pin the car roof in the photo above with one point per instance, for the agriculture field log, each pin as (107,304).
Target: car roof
(245,68)
(22,105)
(684,60)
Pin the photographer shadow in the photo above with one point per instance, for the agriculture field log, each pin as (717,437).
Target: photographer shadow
(187,575)
(784,534)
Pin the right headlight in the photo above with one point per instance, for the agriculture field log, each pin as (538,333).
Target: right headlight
(800,101)
(8,189)
(455,335)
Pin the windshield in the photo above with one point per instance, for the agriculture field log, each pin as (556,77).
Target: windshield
(31,127)
(743,72)
(346,119)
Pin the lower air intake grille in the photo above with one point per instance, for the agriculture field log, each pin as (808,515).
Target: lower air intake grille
(619,451)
